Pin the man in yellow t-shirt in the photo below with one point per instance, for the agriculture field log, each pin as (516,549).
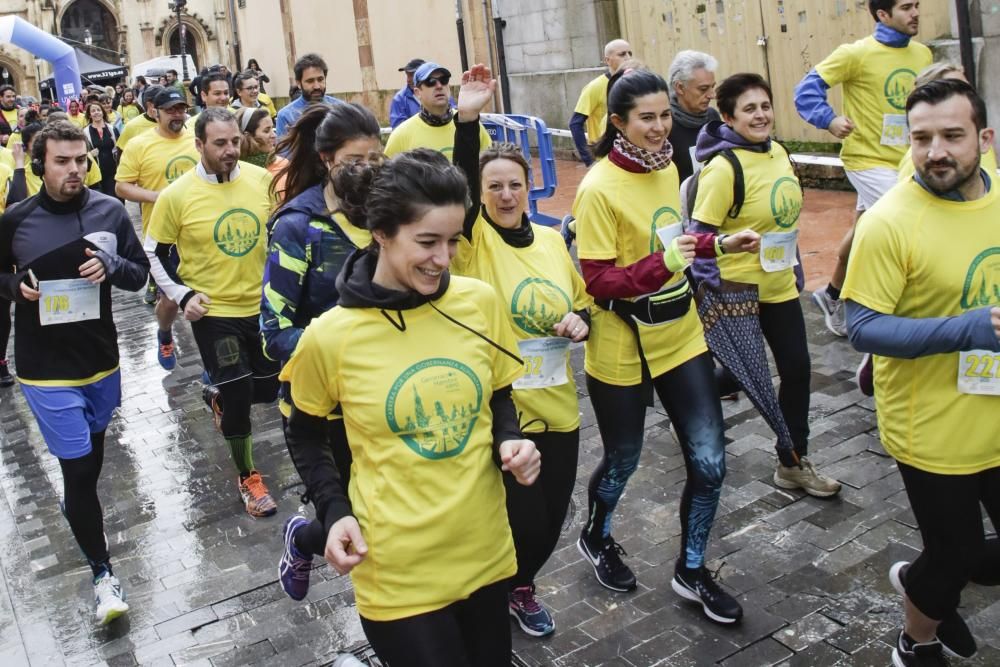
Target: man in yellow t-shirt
(150,163)
(8,112)
(216,217)
(877,73)
(434,126)
(923,295)
(591,110)
(139,124)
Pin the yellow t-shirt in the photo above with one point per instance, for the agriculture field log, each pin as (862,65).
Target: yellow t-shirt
(133,128)
(424,488)
(772,204)
(918,256)
(267,102)
(538,286)
(10,115)
(877,79)
(6,174)
(220,230)
(415,133)
(593,104)
(153,161)
(6,157)
(129,112)
(79,120)
(907,168)
(617,214)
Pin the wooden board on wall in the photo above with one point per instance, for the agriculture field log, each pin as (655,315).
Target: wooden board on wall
(796,34)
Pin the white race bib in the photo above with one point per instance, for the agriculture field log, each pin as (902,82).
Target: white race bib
(895,131)
(72,300)
(979,372)
(777,250)
(544,362)
(668,233)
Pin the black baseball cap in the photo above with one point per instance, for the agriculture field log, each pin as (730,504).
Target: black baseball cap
(412,65)
(168,97)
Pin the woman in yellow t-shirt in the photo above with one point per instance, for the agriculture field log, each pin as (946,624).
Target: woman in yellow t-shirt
(645,334)
(421,365)
(546,304)
(128,108)
(771,206)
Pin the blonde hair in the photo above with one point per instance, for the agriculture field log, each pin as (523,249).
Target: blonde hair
(936,71)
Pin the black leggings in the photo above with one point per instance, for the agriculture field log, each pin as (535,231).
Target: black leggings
(474,632)
(311,540)
(956,551)
(784,330)
(81,505)
(537,512)
(237,398)
(689,395)
(4,327)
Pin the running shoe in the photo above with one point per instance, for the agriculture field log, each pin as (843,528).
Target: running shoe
(533,618)
(955,637)
(256,497)
(213,399)
(833,312)
(166,355)
(294,568)
(909,653)
(609,569)
(6,379)
(149,298)
(568,230)
(864,376)
(804,476)
(699,586)
(110,598)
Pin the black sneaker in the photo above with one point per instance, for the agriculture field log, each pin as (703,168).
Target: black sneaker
(609,569)
(6,379)
(955,637)
(909,653)
(699,586)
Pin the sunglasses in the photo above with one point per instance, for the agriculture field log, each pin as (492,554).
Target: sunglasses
(432,81)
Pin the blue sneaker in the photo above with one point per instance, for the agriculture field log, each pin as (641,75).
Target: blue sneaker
(533,618)
(293,570)
(165,353)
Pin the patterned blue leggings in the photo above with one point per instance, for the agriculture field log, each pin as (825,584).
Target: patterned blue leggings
(690,397)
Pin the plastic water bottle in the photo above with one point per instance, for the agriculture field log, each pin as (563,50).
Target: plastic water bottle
(346,660)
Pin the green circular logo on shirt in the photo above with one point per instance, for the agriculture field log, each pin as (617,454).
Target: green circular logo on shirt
(670,217)
(178,166)
(898,86)
(237,232)
(433,407)
(786,201)
(982,282)
(538,305)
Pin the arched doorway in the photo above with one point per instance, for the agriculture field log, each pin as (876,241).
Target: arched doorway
(92,27)
(9,78)
(190,45)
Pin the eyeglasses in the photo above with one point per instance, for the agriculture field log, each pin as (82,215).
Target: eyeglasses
(251,89)
(433,81)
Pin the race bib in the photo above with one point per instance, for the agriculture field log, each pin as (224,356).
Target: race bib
(895,131)
(72,300)
(979,372)
(777,250)
(668,233)
(544,362)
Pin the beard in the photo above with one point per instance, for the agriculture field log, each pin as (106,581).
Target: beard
(955,178)
(176,126)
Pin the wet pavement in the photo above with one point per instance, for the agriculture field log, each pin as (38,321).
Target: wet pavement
(201,575)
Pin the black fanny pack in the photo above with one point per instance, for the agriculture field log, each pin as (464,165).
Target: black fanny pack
(665,306)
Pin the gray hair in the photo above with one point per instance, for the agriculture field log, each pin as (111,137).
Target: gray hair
(685,63)
(938,70)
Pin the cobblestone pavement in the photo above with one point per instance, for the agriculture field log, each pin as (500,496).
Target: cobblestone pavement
(201,575)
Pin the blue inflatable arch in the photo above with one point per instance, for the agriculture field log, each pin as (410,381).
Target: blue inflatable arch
(66,71)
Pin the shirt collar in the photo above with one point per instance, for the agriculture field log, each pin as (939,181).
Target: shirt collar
(214,178)
(890,36)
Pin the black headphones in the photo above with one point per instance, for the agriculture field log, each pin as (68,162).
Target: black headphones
(38,167)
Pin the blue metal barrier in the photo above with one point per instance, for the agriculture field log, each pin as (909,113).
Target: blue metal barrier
(518,130)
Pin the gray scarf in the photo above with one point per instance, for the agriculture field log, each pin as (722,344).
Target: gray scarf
(688,120)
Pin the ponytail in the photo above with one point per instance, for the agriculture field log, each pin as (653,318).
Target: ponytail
(304,168)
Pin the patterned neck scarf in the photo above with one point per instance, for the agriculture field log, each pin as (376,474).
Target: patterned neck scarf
(434,120)
(259,159)
(634,158)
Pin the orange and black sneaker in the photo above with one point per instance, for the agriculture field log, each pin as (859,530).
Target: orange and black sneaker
(255,496)
(166,354)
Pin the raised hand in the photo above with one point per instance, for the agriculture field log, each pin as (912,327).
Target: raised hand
(476,92)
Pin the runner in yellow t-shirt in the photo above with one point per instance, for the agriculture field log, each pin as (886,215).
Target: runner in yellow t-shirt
(142,122)
(128,110)
(931,315)
(646,335)
(877,73)
(150,163)
(434,126)
(216,217)
(771,206)
(547,308)
(591,112)
(421,363)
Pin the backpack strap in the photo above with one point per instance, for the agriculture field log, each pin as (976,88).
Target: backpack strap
(739,184)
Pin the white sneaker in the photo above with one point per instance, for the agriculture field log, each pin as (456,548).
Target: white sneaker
(110,599)
(833,312)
